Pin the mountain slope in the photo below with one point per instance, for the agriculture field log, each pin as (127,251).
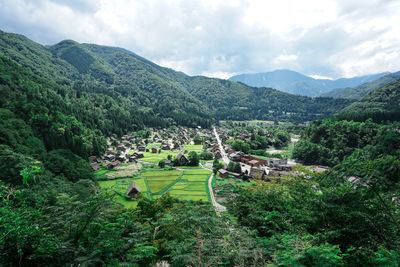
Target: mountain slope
(74,65)
(166,97)
(296,83)
(363,89)
(382,99)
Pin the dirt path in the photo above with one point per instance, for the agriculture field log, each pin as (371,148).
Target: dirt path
(218,207)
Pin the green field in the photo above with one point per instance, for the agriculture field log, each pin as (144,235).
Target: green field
(120,186)
(188,184)
(155,145)
(157,157)
(193,147)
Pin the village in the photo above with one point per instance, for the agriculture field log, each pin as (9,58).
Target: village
(159,161)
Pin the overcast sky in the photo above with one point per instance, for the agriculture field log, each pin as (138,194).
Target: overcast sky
(320,38)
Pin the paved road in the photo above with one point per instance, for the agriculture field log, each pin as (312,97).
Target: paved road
(224,156)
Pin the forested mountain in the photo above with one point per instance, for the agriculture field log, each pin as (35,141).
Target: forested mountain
(296,83)
(382,99)
(74,66)
(175,98)
(236,101)
(363,89)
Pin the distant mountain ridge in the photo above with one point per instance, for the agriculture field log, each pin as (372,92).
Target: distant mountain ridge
(136,91)
(363,89)
(296,83)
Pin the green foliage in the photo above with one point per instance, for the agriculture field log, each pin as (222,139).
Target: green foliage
(194,159)
(161,163)
(65,163)
(293,250)
(327,142)
(281,139)
(240,145)
(382,99)
(28,174)
(206,155)
(12,164)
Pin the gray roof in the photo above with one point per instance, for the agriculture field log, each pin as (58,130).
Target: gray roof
(132,186)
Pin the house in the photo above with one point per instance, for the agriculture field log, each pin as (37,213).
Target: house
(121,148)
(320,169)
(176,145)
(183,160)
(283,167)
(223,173)
(132,159)
(165,147)
(95,166)
(121,158)
(197,142)
(253,161)
(236,175)
(141,148)
(154,150)
(110,157)
(258,174)
(167,162)
(236,156)
(133,190)
(139,155)
(217,154)
(113,164)
(272,162)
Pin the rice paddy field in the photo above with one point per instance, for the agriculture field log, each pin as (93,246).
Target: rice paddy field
(157,157)
(193,147)
(183,184)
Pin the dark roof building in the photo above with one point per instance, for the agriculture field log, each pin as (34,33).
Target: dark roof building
(223,173)
(133,190)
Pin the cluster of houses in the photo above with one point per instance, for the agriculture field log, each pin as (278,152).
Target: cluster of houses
(252,166)
(119,149)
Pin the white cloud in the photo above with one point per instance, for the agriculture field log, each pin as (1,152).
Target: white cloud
(218,38)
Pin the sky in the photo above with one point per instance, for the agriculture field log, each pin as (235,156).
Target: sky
(221,38)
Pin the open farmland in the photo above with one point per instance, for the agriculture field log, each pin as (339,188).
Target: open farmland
(157,157)
(193,147)
(186,184)
(120,186)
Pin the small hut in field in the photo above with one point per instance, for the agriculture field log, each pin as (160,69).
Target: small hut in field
(132,191)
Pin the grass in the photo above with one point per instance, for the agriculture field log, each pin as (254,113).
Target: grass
(161,173)
(120,186)
(188,183)
(156,186)
(261,157)
(193,147)
(195,177)
(201,171)
(188,167)
(155,145)
(184,185)
(157,157)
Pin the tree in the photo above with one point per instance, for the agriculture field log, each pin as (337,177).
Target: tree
(161,163)
(231,166)
(238,168)
(194,158)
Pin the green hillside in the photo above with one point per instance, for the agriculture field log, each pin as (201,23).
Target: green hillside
(76,67)
(383,99)
(172,97)
(361,90)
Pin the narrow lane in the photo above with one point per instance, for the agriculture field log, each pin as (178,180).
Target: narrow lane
(223,153)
